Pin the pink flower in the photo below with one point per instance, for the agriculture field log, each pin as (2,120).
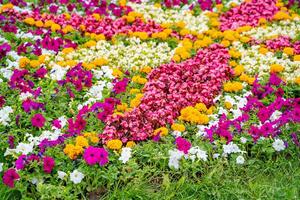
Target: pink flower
(92,155)
(38,120)
(183,144)
(48,165)
(9,177)
(120,86)
(103,156)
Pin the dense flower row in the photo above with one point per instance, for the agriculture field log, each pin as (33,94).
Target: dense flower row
(83,83)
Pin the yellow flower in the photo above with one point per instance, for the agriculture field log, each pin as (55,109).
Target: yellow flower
(281,15)
(136,101)
(100,62)
(297,58)
(232,86)
(134,91)
(82,141)
(232,63)
(90,43)
(139,80)
(122,107)
(180,24)
(210,110)
(23,62)
(122,2)
(48,23)
(275,68)
(96,16)
(238,70)
(297,80)
(225,43)
(114,144)
(34,63)
(184,32)
(29,20)
(73,151)
(67,50)
(201,107)
(262,21)
(100,37)
(130,144)
(146,69)
(288,50)
(117,72)
(42,58)
(176,58)
(244,39)
(39,23)
(228,105)
(191,114)
(263,50)
(178,127)
(163,131)
(55,27)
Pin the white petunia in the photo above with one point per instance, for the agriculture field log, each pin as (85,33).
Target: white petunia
(278,145)
(25,95)
(200,154)
(216,155)
(240,160)
(1,167)
(175,156)
(125,155)
(230,148)
(61,174)
(4,115)
(76,176)
(24,148)
(243,140)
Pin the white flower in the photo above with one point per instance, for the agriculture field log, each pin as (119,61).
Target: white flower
(1,167)
(240,160)
(61,174)
(24,148)
(176,134)
(34,181)
(275,115)
(243,140)
(278,145)
(175,156)
(216,155)
(198,152)
(57,72)
(76,176)
(25,95)
(125,155)
(230,148)
(4,115)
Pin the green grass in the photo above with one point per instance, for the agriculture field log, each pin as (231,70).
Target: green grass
(259,180)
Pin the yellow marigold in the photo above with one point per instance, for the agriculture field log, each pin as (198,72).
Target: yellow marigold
(178,127)
(70,63)
(180,24)
(250,80)
(90,43)
(146,69)
(228,105)
(134,91)
(184,32)
(229,35)
(73,151)
(139,80)
(23,62)
(234,53)
(162,35)
(100,62)
(191,114)
(96,16)
(81,141)
(263,50)
(39,23)
(42,58)
(262,21)
(5,7)
(89,66)
(225,43)
(163,131)
(67,16)
(187,44)
(34,63)
(280,15)
(48,23)
(238,70)
(275,68)
(68,29)
(136,101)
(297,80)
(122,2)
(141,35)
(29,20)
(82,27)
(67,50)
(201,107)
(176,58)
(233,86)
(244,39)
(288,50)
(99,37)
(130,144)
(55,27)
(232,63)
(122,107)
(114,144)
(185,55)
(297,58)
(117,72)
(210,110)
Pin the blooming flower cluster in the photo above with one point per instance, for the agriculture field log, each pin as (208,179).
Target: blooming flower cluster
(92,90)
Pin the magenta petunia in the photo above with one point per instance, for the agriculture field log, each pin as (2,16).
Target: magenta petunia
(92,155)
(48,164)
(9,177)
(103,156)
(38,120)
(183,144)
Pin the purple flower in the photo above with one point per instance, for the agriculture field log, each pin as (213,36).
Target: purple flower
(9,177)
(53,9)
(120,86)
(183,144)
(103,156)
(4,49)
(38,120)
(48,164)
(20,162)
(92,155)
